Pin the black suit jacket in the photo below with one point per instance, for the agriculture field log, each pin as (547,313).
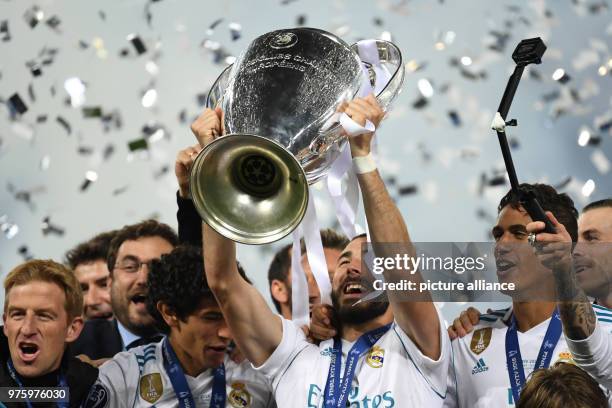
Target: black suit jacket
(100,338)
(80,377)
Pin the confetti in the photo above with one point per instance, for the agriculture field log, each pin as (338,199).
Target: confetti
(54,22)
(588,188)
(149,98)
(16,105)
(138,144)
(45,162)
(76,90)
(8,229)
(90,177)
(24,252)
(454,117)
(64,124)
(120,190)
(4,30)
(139,46)
(48,228)
(600,161)
(33,16)
(235,31)
(92,112)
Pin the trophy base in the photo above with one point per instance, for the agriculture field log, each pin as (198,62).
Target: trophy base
(249,189)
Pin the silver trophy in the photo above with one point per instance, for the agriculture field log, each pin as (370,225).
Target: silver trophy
(280,100)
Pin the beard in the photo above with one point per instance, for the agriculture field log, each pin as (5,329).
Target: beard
(357,314)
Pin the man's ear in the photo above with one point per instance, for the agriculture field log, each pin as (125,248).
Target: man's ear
(167,314)
(279,291)
(74,329)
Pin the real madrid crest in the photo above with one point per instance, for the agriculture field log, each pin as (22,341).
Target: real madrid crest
(375,357)
(151,387)
(239,397)
(282,40)
(481,339)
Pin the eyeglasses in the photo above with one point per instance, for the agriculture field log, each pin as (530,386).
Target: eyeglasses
(132,266)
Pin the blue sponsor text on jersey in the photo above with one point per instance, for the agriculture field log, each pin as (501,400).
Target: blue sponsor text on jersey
(384,400)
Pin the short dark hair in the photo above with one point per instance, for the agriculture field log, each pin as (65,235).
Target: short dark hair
(560,204)
(606,202)
(561,386)
(95,249)
(281,263)
(148,228)
(177,280)
(279,269)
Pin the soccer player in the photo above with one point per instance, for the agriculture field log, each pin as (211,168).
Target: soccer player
(88,261)
(378,360)
(562,386)
(588,328)
(491,363)
(190,367)
(42,314)
(279,272)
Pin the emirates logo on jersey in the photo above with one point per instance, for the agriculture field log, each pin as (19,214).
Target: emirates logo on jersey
(239,397)
(481,340)
(151,387)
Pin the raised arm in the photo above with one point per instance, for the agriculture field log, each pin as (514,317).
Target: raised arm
(554,251)
(255,329)
(386,225)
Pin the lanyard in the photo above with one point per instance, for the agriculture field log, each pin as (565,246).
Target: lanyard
(336,389)
(61,382)
(179,382)
(516,371)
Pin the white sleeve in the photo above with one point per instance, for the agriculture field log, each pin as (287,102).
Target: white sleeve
(594,355)
(111,388)
(435,372)
(292,343)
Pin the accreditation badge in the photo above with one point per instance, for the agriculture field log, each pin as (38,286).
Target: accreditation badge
(151,387)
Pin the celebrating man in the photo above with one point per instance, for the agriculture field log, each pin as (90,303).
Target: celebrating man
(42,314)
(491,363)
(376,361)
(88,261)
(588,328)
(190,367)
(131,250)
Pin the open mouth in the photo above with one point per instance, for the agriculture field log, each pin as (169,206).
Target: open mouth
(503,265)
(139,299)
(28,351)
(354,290)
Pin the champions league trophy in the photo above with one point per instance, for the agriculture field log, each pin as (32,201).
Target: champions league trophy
(280,101)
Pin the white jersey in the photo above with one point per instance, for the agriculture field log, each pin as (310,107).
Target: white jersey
(479,374)
(594,354)
(137,378)
(392,373)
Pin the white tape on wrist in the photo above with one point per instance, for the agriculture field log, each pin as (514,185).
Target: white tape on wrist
(364,164)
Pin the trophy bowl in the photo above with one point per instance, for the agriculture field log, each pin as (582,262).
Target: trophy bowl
(279,101)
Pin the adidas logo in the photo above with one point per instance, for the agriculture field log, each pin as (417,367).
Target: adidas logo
(480,367)
(328,352)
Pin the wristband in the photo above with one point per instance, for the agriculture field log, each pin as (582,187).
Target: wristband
(364,164)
